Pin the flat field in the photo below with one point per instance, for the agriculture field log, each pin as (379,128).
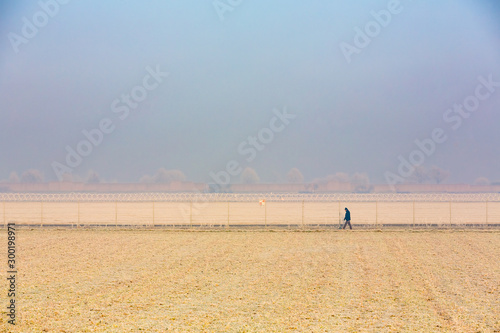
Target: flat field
(97,280)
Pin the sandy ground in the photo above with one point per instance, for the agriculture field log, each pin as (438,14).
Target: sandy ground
(285,281)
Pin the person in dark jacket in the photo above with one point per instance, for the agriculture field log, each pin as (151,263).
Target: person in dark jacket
(347,218)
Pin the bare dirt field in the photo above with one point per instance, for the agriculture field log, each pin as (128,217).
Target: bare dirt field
(251,281)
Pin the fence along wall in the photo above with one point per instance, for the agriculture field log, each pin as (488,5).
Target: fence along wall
(244,209)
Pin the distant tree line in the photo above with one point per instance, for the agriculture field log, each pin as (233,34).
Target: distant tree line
(359,181)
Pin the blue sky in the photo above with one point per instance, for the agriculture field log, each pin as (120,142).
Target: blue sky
(226,77)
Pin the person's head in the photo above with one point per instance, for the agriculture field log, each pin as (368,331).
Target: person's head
(346,208)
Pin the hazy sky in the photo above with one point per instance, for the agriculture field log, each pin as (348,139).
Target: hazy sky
(229,66)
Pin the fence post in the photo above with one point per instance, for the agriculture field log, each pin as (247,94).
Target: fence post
(4,220)
(413,213)
(41,213)
(78,212)
(376,213)
(227,225)
(450,214)
(339,215)
(486,213)
(302,213)
(265,215)
(116,214)
(191,214)
(153,213)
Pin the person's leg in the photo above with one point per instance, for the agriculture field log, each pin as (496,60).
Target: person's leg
(350,226)
(345,225)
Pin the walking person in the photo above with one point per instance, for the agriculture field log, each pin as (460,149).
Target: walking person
(347,218)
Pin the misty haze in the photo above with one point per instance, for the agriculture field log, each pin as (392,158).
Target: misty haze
(249,166)
(122,90)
